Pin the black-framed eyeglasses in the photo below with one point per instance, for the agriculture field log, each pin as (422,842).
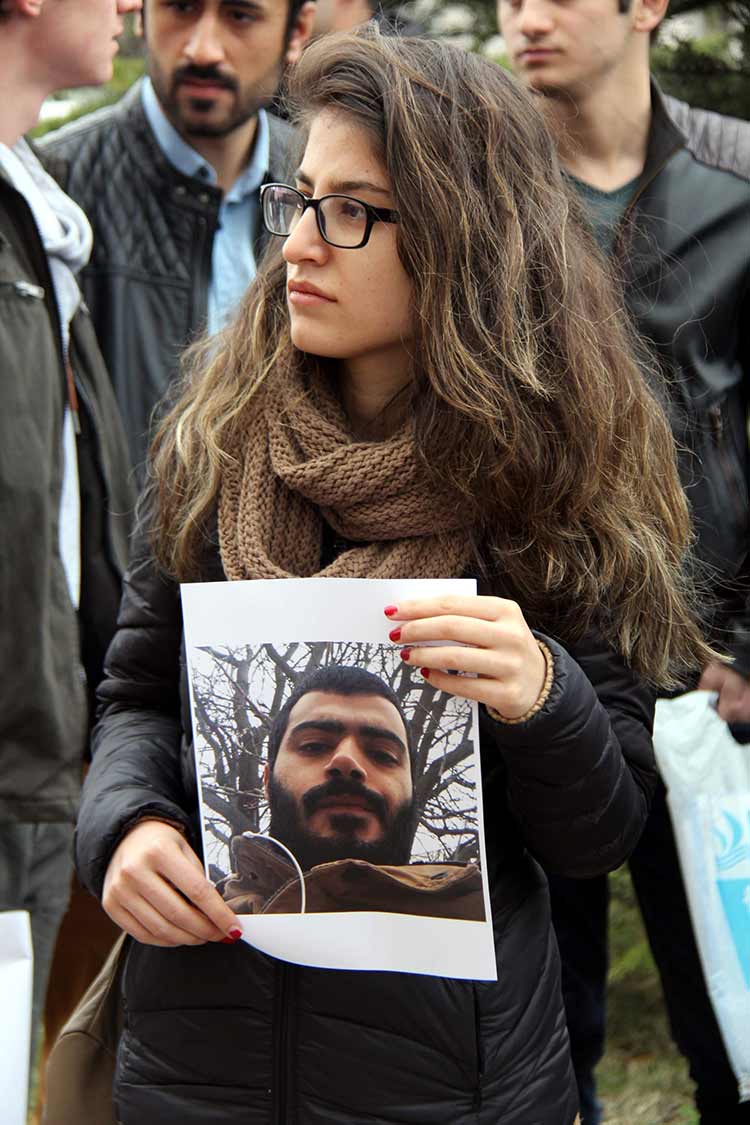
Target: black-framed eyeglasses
(343,221)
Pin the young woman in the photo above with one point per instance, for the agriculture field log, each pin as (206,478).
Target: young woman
(432,379)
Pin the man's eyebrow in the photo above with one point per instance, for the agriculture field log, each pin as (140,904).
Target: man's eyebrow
(334,726)
(257,6)
(344,187)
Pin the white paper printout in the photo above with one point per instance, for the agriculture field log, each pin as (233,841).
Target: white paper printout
(249,645)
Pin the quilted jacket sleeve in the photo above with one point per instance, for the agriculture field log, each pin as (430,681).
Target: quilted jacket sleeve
(136,769)
(581,772)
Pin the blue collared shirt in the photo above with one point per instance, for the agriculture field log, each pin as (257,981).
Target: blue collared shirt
(232,259)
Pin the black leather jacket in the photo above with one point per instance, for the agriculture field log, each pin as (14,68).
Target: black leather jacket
(147,282)
(44,643)
(684,250)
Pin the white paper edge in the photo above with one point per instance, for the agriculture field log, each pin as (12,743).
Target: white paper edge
(16,982)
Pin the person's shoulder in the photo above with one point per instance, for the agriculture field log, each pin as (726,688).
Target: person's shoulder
(714,139)
(91,129)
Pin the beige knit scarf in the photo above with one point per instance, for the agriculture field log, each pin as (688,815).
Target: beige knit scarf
(298,465)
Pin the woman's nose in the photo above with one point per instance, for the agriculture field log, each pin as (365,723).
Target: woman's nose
(305,242)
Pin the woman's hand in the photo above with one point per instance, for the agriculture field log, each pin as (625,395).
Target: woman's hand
(156,891)
(502,651)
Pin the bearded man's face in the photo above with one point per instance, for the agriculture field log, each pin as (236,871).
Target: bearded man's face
(341,784)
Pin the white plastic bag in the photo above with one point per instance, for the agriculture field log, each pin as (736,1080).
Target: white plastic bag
(15,1025)
(707,775)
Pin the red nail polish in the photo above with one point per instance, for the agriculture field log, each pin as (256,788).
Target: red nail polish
(395,634)
(227,941)
(235,934)
(390,610)
(405,653)
(425,672)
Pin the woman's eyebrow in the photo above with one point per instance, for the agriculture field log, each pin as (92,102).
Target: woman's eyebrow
(344,187)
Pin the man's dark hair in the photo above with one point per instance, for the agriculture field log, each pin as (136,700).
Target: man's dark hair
(338,679)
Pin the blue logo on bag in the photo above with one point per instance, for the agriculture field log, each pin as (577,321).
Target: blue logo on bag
(732,853)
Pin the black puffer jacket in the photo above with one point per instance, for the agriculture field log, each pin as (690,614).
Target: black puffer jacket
(218,1035)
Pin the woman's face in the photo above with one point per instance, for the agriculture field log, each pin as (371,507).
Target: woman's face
(360,312)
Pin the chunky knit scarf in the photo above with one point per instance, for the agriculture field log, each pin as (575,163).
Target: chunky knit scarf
(298,465)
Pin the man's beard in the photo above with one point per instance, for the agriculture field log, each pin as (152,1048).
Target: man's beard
(246,103)
(288,826)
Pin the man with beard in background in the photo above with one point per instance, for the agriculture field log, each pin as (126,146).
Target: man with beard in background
(341,791)
(169,178)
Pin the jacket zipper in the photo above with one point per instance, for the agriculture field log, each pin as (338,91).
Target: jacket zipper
(101,467)
(477,1103)
(23,289)
(716,421)
(281,1045)
(44,293)
(27,291)
(204,250)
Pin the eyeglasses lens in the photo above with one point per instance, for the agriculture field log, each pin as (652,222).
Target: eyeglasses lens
(282,210)
(342,221)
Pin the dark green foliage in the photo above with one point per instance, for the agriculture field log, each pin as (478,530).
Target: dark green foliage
(713,72)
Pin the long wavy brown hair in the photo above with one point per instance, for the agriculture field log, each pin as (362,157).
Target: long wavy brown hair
(524,370)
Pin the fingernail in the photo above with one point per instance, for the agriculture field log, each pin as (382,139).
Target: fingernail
(228,941)
(405,653)
(395,634)
(390,610)
(425,672)
(235,934)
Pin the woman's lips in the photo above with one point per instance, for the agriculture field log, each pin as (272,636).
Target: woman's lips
(302,294)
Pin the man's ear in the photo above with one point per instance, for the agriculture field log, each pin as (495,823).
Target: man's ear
(648,14)
(266,776)
(28,8)
(300,32)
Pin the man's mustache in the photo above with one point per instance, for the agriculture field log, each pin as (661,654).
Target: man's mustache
(341,787)
(204,74)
